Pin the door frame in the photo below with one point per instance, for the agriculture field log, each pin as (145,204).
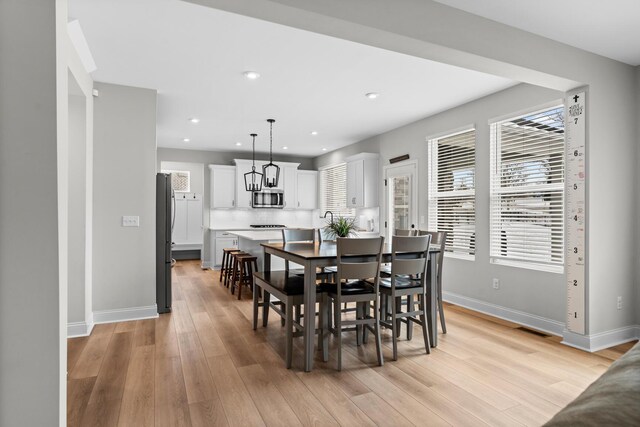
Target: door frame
(414,192)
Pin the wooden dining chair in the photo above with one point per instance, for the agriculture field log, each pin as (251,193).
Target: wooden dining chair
(289,290)
(409,260)
(302,235)
(357,260)
(438,238)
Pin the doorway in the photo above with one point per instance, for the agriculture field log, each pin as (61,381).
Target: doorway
(401,195)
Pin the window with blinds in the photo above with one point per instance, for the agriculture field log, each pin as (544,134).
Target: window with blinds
(180,181)
(333,190)
(527,190)
(452,193)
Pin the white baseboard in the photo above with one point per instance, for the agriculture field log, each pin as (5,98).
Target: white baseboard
(124,314)
(601,340)
(79,329)
(539,323)
(206,265)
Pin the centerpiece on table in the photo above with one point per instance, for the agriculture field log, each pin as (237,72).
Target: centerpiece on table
(340,227)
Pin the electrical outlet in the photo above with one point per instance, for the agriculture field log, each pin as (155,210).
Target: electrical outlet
(619,303)
(130,221)
(496,283)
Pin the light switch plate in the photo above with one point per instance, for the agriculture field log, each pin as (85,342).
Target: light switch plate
(130,221)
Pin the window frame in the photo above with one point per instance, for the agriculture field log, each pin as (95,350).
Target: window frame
(495,196)
(344,212)
(173,171)
(432,183)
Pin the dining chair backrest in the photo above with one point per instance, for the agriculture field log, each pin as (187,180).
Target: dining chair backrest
(414,265)
(359,258)
(438,238)
(404,232)
(298,235)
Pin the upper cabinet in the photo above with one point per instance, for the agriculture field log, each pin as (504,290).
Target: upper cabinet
(362,180)
(223,186)
(307,190)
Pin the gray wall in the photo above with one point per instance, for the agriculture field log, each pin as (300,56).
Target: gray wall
(29,281)
(530,291)
(637,120)
(77,204)
(124,184)
(218,158)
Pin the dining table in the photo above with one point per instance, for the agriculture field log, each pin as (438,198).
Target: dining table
(324,254)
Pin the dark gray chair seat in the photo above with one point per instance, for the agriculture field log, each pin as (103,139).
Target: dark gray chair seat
(401,283)
(354,287)
(283,281)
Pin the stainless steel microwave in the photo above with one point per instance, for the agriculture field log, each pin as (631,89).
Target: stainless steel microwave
(273,199)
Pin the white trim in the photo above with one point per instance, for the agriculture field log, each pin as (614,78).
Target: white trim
(206,265)
(601,340)
(532,110)
(559,269)
(451,132)
(465,257)
(79,329)
(124,314)
(531,320)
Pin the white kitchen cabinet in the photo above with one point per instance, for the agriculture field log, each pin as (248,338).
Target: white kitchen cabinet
(222,240)
(362,181)
(290,187)
(223,186)
(307,190)
(194,218)
(187,221)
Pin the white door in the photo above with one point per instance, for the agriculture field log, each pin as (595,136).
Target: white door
(180,220)
(223,187)
(307,187)
(401,197)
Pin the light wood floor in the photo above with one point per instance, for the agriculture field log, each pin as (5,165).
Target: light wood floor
(203,365)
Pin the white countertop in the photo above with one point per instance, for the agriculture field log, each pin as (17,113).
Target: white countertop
(262,235)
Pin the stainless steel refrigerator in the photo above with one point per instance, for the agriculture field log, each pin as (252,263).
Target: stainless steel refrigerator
(163,242)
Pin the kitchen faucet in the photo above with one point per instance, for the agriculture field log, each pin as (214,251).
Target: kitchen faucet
(330,213)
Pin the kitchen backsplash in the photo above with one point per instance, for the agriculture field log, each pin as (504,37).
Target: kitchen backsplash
(242,218)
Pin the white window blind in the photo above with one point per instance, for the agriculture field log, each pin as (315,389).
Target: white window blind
(452,194)
(333,190)
(527,189)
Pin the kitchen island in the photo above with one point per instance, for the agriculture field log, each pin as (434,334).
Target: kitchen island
(250,241)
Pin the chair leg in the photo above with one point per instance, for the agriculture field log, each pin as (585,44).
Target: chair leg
(338,332)
(289,335)
(359,311)
(425,325)
(298,313)
(366,312)
(233,275)
(440,308)
(395,323)
(376,315)
(325,327)
(224,259)
(255,305)
(266,297)
(241,280)
(409,322)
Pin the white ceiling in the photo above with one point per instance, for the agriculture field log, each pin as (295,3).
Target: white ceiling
(195,56)
(609,28)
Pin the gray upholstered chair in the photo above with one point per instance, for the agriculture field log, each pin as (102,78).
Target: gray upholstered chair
(409,261)
(358,260)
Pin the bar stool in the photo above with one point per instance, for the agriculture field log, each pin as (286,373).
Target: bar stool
(225,267)
(244,266)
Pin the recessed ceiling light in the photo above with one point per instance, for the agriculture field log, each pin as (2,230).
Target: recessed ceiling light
(238,144)
(314,132)
(185,140)
(372,95)
(251,75)
(324,149)
(285,148)
(194,120)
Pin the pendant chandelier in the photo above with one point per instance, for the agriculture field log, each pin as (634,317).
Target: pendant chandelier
(271,171)
(253,179)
